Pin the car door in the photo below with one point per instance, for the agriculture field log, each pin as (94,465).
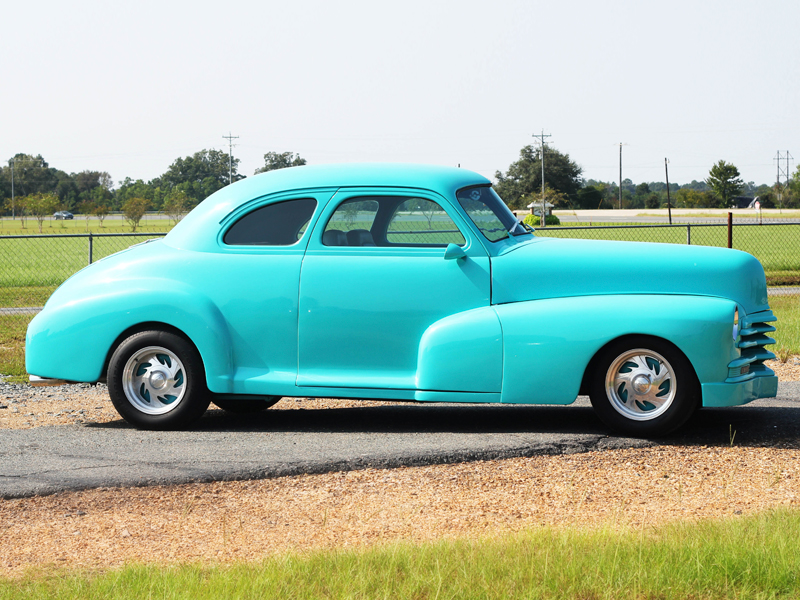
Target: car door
(374,278)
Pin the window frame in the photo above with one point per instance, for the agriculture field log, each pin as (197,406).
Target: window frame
(384,216)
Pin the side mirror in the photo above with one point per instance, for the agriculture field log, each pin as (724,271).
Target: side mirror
(452,251)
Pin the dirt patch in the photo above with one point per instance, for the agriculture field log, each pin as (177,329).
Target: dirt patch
(252,519)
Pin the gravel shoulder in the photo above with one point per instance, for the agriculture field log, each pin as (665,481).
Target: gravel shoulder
(246,520)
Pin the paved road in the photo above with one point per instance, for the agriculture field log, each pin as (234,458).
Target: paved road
(283,442)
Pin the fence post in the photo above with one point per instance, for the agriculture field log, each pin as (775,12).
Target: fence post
(90,248)
(688,234)
(730,230)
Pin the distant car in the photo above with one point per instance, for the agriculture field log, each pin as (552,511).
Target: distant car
(63,214)
(407,283)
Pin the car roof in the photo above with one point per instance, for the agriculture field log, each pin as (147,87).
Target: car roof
(201,226)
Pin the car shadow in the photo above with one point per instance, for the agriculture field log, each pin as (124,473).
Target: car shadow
(755,426)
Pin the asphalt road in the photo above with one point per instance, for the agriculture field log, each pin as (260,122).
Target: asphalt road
(222,447)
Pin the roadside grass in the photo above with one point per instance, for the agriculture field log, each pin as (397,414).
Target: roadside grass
(787,334)
(738,557)
(111,224)
(12,346)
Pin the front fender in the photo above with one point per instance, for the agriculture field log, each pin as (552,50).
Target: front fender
(71,340)
(548,344)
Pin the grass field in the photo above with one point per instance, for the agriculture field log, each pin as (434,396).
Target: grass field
(745,557)
(111,224)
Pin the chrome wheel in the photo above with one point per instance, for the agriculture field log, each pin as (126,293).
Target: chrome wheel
(154,380)
(640,384)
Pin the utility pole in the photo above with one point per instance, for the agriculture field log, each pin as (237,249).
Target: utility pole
(620,173)
(669,203)
(230,139)
(778,188)
(541,136)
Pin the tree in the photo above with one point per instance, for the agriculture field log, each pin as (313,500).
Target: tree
(724,181)
(101,212)
(524,177)
(133,211)
(589,197)
(199,175)
(41,206)
(87,208)
(176,205)
(280,160)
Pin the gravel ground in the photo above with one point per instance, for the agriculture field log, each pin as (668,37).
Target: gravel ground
(225,521)
(248,520)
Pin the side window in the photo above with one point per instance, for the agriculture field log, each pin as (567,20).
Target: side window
(278,224)
(421,222)
(351,223)
(390,221)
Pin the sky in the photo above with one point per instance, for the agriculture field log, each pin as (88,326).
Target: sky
(128,87)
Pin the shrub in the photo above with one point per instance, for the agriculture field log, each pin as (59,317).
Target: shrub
(535,221)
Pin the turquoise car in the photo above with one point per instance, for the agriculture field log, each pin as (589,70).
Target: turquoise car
(404,282)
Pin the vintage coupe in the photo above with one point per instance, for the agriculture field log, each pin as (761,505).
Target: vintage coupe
(408,283)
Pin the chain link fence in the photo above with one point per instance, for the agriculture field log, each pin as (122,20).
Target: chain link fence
(32,266)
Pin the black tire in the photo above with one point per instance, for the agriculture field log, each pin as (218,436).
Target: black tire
(643,387)
(245,405)
(156,380)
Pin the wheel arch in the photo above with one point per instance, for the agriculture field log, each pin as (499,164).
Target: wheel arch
(147,326)
(592,364)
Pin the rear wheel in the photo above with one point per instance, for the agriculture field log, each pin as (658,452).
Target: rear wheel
(246,405)
(156,380)
(643,387)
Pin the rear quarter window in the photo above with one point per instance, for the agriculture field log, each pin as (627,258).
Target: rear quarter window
(277,224)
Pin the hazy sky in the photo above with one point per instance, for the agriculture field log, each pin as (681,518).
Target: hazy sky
(127,87)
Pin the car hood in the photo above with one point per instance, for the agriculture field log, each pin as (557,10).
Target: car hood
(553,268)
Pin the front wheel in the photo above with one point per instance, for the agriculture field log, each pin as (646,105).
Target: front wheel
(644,387)
(156,380)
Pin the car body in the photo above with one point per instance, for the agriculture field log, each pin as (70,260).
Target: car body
(404,282)
(63,215)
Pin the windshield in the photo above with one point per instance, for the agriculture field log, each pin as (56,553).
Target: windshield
(489,213)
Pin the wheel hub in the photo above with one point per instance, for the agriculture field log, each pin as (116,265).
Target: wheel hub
(641,384)
(158,379)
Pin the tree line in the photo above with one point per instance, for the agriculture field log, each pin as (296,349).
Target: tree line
(39,189)
(566,188)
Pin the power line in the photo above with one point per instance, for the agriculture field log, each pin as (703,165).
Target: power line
(230,139)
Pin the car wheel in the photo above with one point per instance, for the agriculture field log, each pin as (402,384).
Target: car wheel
(246,405)
(156,380)
(644,387)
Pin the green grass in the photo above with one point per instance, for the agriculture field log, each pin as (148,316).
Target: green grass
(749,557)
(80,225)
(12,346)
(787,336)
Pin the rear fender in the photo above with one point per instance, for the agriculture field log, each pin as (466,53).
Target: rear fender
(72,340)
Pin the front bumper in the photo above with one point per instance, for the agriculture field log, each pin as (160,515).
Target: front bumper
(736,394)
